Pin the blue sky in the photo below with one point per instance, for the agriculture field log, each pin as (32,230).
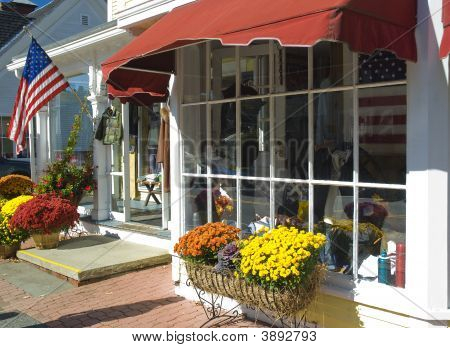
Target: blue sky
(40,3)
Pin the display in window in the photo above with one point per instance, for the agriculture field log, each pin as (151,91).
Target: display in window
(223,139)
(386,210)
(291,205)
(194,139)
(291,137)
(255,137)
(382,135)
(333,65)
(224,201)
(223,69)
(382,66)
(255,205)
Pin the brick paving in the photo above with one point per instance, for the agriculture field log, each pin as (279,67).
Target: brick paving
(140,299)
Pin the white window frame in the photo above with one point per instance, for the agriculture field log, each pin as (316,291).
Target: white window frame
(350,288)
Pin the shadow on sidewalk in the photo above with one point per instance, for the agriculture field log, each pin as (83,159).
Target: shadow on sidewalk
(95,316)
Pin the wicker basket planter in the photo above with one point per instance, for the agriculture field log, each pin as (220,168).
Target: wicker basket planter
(8,251)
(282,303)
(46,241)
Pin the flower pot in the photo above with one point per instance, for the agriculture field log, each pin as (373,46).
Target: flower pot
(46,241)
(281,302)
(7,251)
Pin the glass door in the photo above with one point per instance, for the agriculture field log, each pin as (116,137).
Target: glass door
(119,171)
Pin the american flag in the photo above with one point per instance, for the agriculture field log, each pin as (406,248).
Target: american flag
(41,81)
(382,111)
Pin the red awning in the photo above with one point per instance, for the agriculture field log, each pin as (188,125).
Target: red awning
(365,25)
(445,44)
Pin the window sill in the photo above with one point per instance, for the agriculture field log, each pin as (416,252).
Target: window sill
(380,296)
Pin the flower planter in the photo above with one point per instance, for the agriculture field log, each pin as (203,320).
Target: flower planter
(46,241)
(283,303)
(8,251)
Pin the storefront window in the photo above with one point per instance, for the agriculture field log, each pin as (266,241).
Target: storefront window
(223,139)
(291,137)
(223,71)
(255,137)
(194,139)
(287,150)
(382,135)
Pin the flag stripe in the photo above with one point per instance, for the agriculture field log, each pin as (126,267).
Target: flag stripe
(43,90)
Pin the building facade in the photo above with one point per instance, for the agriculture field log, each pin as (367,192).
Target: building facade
(340,140)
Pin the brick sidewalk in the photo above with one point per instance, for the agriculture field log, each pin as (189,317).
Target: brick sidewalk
(138,299)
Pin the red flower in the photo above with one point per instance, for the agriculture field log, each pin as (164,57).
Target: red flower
(87,188)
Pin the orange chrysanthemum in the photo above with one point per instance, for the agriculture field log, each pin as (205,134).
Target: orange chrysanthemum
(203,242)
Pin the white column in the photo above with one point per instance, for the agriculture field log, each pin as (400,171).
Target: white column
(428,167)
(99,102)
(176,198)
(42,136)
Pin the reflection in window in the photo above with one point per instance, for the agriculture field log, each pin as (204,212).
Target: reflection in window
(196,202)
(194,65)
(223,71)
(296,77)
(333,136)
(223,139)
(381,66)
(255,205)
(291,137)
(255,137)
(383,211)
(333,65)
(291,205)
(194,139)
(382,135)
(224,201)
(336,223)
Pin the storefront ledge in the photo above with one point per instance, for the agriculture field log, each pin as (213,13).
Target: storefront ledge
(380,296)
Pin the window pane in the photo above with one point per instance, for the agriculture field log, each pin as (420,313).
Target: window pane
(333,218)
(381,66)
(255,204)
(382,135)
(291,205)
(223,71)
(296,70)
(194,139)
(382,217)
(254,68)
(255,137)
(196,202)
(333,136)
(117,194)
(194,82)
(224,201)
(291,137)
(223,139)
(333,65)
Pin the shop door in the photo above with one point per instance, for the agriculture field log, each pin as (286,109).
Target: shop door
(119,170)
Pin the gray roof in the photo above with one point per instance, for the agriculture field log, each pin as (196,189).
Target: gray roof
(25,2)
(10,24)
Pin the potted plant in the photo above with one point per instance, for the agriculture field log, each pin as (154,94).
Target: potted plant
(9,240)
(44,217)
(65,177)
(15,185)
(276,270)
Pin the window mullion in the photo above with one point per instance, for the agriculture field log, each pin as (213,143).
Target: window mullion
(238,137)
(355,167)
(272,133)
(310,140)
